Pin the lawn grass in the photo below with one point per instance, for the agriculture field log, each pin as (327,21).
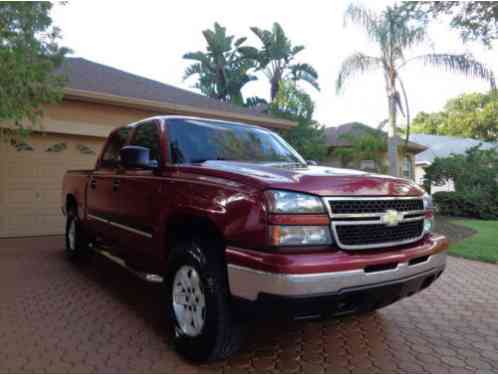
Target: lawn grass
(481,246)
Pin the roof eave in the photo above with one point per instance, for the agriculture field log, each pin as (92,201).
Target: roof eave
(171,108)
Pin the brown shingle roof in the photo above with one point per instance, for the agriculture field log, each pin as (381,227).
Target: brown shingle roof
(82,74)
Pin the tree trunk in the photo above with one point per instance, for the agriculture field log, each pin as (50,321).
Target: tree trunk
(392,142)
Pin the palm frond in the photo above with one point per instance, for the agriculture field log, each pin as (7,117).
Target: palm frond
(198,56)
(363,17)
(192,70)
(357,63)
(463,64)
(305,72)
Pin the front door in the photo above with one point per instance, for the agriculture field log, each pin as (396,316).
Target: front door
(103,202)
(139,195)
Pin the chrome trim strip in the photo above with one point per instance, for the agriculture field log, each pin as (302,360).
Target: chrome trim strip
(129,229)
(98,218)
(121,226)
(374,214)
(248,283)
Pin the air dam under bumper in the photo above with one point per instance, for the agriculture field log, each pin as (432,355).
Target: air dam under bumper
(248,284)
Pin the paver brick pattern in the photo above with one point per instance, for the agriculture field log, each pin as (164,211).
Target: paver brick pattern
(56,316)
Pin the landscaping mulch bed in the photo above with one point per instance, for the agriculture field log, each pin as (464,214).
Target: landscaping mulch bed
(454,232)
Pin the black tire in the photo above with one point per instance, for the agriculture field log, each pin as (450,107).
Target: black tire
(78,247)
(220,334)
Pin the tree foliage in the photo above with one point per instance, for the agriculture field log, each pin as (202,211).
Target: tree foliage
(277,57)
(395,32)
(221,70)
(308,137)
(366,144)
(475,177)
(29,53)
(473,115)
(475,20)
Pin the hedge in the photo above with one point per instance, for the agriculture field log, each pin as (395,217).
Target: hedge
(468,204)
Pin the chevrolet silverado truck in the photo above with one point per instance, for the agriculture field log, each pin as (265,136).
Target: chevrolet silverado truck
(236,224)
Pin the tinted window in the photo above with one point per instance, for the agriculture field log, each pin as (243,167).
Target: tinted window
(147,135)
(195,141)
(116,142)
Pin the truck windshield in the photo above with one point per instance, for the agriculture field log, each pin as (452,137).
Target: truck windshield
(197,141)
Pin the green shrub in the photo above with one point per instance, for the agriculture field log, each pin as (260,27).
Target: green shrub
(466,204)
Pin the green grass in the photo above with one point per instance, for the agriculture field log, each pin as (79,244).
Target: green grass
(481,246)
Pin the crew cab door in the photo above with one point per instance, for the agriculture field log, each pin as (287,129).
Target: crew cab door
(103,205)
(139,193)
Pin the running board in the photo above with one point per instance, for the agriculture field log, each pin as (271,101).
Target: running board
(149,277)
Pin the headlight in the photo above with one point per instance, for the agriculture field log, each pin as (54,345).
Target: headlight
(285,202)
(429,218)
(427,202)
(287,235)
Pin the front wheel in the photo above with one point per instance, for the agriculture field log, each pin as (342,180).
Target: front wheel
(199,304)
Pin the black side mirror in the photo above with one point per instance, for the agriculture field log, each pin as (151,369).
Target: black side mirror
(137,157)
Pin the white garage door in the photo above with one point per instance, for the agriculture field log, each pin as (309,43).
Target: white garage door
(31,180)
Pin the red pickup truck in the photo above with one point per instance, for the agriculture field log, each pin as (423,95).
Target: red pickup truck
(235,224)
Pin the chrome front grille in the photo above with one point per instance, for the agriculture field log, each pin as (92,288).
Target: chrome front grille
(360,223)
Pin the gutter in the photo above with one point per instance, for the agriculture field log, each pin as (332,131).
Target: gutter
(174,109)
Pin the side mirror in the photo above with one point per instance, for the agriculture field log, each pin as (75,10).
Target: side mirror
(311,162)
(137,157)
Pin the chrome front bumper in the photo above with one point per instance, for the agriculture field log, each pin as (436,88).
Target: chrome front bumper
(248,283)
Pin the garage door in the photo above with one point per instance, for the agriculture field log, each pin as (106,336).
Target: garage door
(31,178)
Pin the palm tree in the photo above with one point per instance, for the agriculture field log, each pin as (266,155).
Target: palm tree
(395,33)
(222,71)
(277,57)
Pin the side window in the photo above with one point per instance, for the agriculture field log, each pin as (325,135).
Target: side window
(147,135)
(118,139)
(407,167)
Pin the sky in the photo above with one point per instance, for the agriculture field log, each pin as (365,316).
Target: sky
(149,38)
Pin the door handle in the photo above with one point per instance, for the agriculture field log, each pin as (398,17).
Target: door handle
(115,185)
(93,183)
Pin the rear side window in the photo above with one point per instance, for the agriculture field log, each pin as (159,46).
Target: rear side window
(147,135)
(116,142)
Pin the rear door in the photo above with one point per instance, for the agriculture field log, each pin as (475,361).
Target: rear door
(103,203)
(139,194)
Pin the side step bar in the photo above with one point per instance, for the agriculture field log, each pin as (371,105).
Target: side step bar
(149,277)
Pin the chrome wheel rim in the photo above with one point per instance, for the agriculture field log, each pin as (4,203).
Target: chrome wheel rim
(189,302)
(71,235)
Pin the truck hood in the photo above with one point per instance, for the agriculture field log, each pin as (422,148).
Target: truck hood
(318,180)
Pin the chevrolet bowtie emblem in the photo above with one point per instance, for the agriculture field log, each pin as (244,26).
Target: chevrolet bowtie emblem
(391,218)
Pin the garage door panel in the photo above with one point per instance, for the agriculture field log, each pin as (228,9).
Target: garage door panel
(31,182)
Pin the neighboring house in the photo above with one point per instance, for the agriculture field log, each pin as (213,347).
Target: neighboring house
(339,137)
(97,98)
(442,146)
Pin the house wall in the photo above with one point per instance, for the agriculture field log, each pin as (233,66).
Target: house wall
(334,161)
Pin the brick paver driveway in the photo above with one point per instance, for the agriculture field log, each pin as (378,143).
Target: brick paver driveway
(96,317)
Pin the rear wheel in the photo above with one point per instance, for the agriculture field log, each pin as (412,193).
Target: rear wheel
(199,303)
(76,245)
